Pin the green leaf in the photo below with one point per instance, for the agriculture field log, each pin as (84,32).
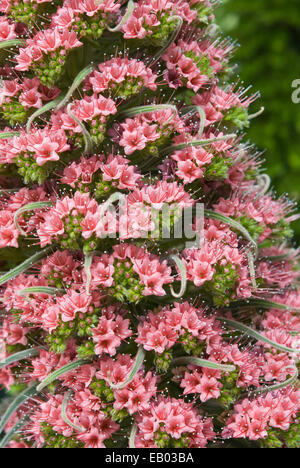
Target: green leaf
(182,270)
(202,363)
(50,105)
(264,304)
(63,370)
(234,224)
(14,431)
(125,18)
(15,405)
(28,207)
(134,370)
(171,39)
(40,290)
(196,143)
(64,415)
(252,269)
(87,137)
(132,436)
(277,386)
(77,82)
(12,43)
(4,135)
(249,331)
(87,268)
(150,108)
(27,353)
(11,274)
(202,117)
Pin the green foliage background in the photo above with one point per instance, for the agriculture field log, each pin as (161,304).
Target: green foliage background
(268,32)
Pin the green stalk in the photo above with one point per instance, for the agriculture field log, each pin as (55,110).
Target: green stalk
(63,370)
(28,207)
(134,370)
(11,274)
(27,353)
(15,405)
(185,360)
(182,270)
(249,331)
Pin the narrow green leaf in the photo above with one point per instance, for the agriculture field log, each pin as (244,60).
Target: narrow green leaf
(264,182)
(202,117)
(87,268)
(132,436)
(12,43)
(196,143)
(185,360)
(13,432)
(117,196)
(24,266)
(40,290)
(171,39)
(182,270)
(63,370)
(252,269)
(64,415)
(279,385)
(87,137)
(264,304)
(257,114)
(4,135)
(27,353)
(249,331)
(150,108)
(15,405)
(234,224)
(29,207)
(50,105)
(76,83)
(276,258)
(128,13)
(134,370)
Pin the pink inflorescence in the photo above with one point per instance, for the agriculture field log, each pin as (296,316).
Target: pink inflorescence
(149,285)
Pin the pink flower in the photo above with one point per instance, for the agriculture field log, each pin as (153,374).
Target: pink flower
(72,303)
(133,141)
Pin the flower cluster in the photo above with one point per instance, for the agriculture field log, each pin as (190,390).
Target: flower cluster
(155,20)
(149,131)
(263,216)
(101,175)
(183,324)
(190,65)
(32,151)
(131,273)
(22,11)
(88,19)
(226,105)
(9,233)
(171,422)
(121,77)
(7,30)
(46,53)
(91,110)
(18,99)
(252,419)
(218,266)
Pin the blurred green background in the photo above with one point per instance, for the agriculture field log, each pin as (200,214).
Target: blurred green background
(268,32)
